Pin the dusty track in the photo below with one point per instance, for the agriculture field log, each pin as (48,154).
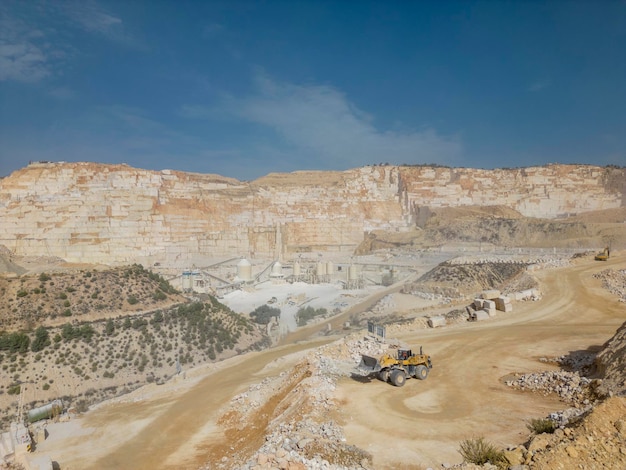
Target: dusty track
(464,395)
(422,422)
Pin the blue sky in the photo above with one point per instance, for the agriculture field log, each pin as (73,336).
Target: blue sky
(243,89)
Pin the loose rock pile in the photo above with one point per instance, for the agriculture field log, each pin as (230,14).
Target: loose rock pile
(614,281)
(571,387)
(304,436)
(597,442)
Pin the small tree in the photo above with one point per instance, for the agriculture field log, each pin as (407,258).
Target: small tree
(264,314)
(109,328)
(42,339)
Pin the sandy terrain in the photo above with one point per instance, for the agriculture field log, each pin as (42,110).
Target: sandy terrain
(170,426)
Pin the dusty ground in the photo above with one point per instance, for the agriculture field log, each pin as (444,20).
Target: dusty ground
(465,396)
(175,425)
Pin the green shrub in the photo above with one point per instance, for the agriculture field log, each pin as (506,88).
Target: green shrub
(81,406)
(42,339)
(109,329)
(14,342)
(46,386)
(43,277)
(541,425)
(132,300)
(14,389)
(22,293)
(307,313)
(159,295)
(264,314)
(479,452)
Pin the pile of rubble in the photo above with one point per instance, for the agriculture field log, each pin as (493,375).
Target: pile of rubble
(614,281)
(581,362)
(591,434)
(307,445)
(596,442)
(303,435)
(571,387)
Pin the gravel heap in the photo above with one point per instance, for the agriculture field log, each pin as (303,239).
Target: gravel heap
(304,435)
(571,387)
(614,281)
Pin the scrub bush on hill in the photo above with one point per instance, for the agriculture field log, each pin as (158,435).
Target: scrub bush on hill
(307,313)
(14,342)
(480,452)
(131,349)
(42,339)
(263,314)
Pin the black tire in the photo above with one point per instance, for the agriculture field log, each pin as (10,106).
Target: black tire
(384,375)
(398,378)
(421,372)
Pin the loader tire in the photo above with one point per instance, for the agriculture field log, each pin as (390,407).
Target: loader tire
(398,378)
(383,375)
(421,372)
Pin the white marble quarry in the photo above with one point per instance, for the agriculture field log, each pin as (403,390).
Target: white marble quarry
(115,214)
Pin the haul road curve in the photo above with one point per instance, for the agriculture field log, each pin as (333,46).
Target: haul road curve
(420,423)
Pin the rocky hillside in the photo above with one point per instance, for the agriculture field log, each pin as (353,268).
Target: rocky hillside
(611,365)
(88,361)
(85,333)
(55,297)
(501,226)
(115,214)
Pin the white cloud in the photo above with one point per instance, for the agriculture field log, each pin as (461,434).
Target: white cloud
(22,58)
(32,46)
(91,17)
(22,62)
(93,20)
(539,85)
(62,93)
(318,122)
(212,29)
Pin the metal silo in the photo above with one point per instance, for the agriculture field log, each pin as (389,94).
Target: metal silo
(321,269)
(186,281)
(244,270)
(277,270)
(330,267)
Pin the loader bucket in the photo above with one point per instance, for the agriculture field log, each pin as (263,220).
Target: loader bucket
(369,364)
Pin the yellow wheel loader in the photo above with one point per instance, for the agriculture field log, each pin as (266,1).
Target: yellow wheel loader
(397,369)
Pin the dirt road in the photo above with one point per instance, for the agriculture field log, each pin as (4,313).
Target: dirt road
(464,395)
(423,422)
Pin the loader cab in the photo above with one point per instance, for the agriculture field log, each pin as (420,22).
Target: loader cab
(404,354)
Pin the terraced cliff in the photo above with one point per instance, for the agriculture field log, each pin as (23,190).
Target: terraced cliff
(115,214)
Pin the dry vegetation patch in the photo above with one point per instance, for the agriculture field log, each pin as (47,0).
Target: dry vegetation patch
(88,294)
(83,362)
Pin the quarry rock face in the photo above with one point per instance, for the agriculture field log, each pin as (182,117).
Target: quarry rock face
(115,214)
